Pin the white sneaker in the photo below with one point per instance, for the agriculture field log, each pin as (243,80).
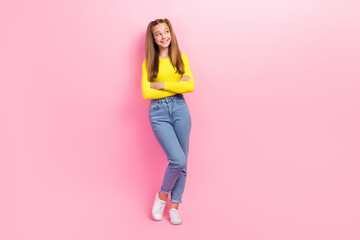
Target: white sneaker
(174,216)
(158,208)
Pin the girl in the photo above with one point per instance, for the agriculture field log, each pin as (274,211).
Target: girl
(166,76)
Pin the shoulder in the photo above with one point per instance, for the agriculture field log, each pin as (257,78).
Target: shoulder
(184,57)
(143,66)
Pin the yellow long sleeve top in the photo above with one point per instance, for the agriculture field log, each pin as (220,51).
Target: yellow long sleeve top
(168,75)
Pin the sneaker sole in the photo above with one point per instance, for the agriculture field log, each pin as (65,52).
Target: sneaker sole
(175,223)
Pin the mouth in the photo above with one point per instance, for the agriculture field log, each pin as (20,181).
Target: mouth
(164,42)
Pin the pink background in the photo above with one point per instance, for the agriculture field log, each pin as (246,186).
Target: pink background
(274,149)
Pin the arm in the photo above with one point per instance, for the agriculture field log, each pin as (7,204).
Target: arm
(182,86)
(147,91)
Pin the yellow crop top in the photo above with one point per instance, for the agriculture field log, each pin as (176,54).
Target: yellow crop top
(168,75)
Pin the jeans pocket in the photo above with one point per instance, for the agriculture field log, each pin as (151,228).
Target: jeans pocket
(180,101)
(154,107)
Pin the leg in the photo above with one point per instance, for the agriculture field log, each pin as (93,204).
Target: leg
(163,196)
(182,127)
(167,138)
(174,205)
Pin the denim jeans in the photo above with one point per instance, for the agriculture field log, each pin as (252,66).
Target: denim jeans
(171,123)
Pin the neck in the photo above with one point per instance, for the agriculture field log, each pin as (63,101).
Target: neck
(164,52)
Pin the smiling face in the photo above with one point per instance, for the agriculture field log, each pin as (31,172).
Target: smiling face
(162,35)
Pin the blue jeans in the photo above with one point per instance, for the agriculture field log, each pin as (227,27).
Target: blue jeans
(171,123)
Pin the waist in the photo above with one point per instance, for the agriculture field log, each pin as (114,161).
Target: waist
(168,99)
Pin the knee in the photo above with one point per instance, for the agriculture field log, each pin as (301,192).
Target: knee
(182,165)
(180,162)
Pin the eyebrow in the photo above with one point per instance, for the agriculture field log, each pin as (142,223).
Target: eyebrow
(164,29)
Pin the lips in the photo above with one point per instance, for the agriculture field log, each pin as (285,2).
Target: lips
(164,42)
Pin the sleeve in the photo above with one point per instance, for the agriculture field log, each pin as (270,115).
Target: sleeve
(147,91)
(184,86)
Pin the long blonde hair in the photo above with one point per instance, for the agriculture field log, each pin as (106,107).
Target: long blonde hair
(152,50)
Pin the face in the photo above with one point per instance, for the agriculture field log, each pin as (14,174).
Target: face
(162,35)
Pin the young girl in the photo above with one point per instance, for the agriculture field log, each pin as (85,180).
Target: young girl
(166,75)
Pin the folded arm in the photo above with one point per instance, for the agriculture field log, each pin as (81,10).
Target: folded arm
(182,86)
(147,91)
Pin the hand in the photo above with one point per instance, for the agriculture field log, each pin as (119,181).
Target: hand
(157,85)
(184,78)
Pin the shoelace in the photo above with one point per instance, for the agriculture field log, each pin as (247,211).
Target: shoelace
(176,215)
(159,207)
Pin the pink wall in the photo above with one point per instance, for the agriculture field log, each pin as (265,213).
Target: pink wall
(276,109)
